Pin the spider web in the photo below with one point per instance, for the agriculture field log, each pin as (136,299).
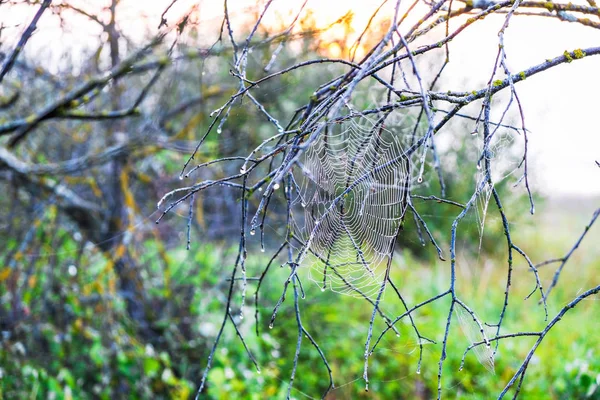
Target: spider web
(484,353)
(505,166)
(352,242)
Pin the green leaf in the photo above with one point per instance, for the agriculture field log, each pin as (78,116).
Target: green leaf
(97,353)
(151,367)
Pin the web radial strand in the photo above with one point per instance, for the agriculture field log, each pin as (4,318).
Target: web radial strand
(352,242)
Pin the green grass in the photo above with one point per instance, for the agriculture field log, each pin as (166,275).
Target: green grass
(565,366)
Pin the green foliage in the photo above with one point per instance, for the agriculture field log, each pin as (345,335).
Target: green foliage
(93,355)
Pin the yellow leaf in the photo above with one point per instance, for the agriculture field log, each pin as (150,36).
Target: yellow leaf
(4,274)
(120,252)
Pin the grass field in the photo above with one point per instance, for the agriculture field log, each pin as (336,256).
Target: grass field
(565,366)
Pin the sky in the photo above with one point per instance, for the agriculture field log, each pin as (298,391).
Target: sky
(562,105)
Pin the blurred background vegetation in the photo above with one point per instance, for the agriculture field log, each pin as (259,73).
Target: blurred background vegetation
(97,301)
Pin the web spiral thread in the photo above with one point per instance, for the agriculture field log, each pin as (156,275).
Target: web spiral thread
(350,244)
